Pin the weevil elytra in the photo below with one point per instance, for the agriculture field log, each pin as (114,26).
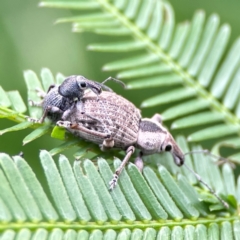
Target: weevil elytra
(111,121)
(60,98)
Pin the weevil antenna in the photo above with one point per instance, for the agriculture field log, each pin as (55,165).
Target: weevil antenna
(115,80)
(206,185)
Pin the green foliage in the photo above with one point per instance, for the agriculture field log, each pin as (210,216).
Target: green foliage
(190,67)
(81,203)
(187,61)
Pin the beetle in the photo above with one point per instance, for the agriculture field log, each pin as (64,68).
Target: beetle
(116,122)
(112,121)
(60,98)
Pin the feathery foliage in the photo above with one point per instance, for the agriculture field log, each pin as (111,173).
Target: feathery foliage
(189,57)
(189,65)
(80,203)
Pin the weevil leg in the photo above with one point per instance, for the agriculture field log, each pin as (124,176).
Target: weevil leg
(139,162)
(51,109)
(108,138)
(69,111)
(79,127)
(129,153)
(82,107)
(108,143)
(157,117)
(35,104)
(33,120)
(41,93)
(50,87)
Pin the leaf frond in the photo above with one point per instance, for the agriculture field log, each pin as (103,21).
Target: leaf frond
(190,52)
(150,204)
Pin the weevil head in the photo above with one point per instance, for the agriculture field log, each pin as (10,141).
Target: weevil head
(73,87)
(154,138)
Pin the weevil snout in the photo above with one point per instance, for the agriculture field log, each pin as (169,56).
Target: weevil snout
(178,156)
(95,87)
(169,145)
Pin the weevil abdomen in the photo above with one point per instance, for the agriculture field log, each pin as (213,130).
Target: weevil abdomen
(115,115)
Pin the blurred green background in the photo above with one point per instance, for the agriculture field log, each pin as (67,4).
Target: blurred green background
(31,40)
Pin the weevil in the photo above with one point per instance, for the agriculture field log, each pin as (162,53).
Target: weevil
(115,122)
(60,98)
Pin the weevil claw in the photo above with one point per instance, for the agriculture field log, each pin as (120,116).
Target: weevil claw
(113,182)
(64,124)
(32,120)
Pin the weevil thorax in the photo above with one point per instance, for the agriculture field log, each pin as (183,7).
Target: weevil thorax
(53,98)
(154,138)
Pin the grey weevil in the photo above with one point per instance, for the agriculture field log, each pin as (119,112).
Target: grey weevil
(60,98)
(116,122)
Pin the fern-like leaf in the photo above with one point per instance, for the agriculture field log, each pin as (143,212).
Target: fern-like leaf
(81,204)
(189,53)
(187,63)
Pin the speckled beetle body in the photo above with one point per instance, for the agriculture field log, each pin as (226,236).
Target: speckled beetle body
(116,122)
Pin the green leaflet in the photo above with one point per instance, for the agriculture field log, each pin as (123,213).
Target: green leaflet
(81,191)
(17,102)
(213,132)
(57,188)
(36,189)
(71,5)
(193,39)
(171,96)
(20,188)
(195,119)
(186,108)
(162,195)
(226,71)
(17,127)
(73,191)
(36,134)
(117,47)
(4,100)
(144,71)
(63,147)
(86,18)
(131,62)
(117,195)
(47,78)
(151,82)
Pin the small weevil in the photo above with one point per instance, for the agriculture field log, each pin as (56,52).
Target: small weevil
(61,98)
(112,121)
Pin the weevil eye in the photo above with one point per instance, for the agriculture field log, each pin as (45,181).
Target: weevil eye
(82,85)
(168,148)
